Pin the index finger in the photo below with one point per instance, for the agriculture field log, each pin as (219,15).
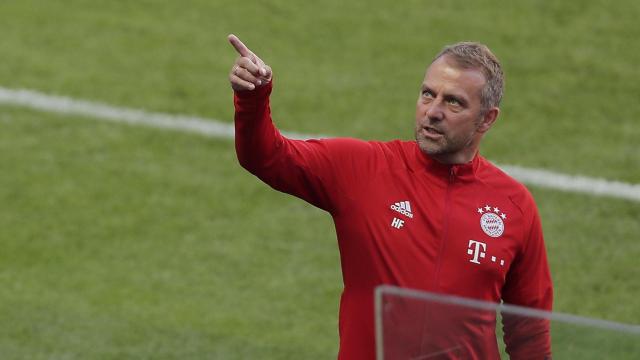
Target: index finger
(241,48)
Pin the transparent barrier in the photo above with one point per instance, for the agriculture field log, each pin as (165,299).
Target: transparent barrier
(416,325)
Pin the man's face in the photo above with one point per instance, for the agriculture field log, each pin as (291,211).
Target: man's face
(449,117)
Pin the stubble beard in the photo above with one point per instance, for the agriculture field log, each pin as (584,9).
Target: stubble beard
(432,147)
(442,147)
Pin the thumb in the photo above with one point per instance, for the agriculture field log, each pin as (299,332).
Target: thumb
(266,72)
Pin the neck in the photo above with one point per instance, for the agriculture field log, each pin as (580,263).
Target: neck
(453,159)
(463,155)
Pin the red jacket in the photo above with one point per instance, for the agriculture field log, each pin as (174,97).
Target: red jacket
(402,218)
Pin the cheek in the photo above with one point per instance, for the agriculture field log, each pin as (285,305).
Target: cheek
(421,110)
(463,125)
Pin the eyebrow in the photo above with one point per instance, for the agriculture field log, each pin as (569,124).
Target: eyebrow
(447,96)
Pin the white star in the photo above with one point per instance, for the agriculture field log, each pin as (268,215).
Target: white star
(496,210)
(488,208)
(503,216)
(480,210)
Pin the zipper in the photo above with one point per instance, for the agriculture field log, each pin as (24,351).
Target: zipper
(445,228)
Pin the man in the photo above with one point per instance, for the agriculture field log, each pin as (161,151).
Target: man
(430,214)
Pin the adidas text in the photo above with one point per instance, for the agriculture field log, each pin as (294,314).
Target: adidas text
(403,208)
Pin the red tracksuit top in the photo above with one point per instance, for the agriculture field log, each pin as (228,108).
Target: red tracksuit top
(404,219)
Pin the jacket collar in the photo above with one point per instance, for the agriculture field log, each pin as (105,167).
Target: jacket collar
(425,162)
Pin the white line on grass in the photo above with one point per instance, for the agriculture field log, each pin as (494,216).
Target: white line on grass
(215,128)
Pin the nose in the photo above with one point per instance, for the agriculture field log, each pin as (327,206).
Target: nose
(434,111)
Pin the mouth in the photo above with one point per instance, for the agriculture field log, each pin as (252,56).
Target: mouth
(431,133)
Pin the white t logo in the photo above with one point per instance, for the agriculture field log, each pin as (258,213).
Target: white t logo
(474,249)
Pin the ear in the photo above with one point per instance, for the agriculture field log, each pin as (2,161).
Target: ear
(490,116)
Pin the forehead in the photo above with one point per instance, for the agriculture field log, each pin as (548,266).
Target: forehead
(445,75)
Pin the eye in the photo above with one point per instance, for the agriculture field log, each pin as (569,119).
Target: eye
(453,101)
(427,93)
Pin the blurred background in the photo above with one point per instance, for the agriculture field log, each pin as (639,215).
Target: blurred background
(120,241)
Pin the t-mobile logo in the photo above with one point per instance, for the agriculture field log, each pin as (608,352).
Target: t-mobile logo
(397,223)
(474,249)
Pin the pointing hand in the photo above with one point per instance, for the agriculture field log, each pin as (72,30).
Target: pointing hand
(248,71)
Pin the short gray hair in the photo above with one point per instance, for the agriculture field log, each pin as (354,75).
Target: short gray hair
(473,55)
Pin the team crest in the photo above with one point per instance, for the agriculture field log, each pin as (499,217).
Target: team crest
(492,220)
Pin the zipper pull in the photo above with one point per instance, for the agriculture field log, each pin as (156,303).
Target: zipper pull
(452,174)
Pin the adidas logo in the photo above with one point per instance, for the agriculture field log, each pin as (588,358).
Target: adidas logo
(404,208)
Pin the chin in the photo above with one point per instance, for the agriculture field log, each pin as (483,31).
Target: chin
(427,147)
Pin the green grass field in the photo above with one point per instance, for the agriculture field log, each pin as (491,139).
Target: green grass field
(123,242)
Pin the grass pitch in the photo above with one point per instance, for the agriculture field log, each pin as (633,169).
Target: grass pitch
(123,242)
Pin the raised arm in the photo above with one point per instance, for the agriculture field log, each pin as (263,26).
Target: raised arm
(318,171)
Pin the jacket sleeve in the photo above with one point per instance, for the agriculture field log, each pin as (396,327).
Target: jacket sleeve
(529,284)
(317,171)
